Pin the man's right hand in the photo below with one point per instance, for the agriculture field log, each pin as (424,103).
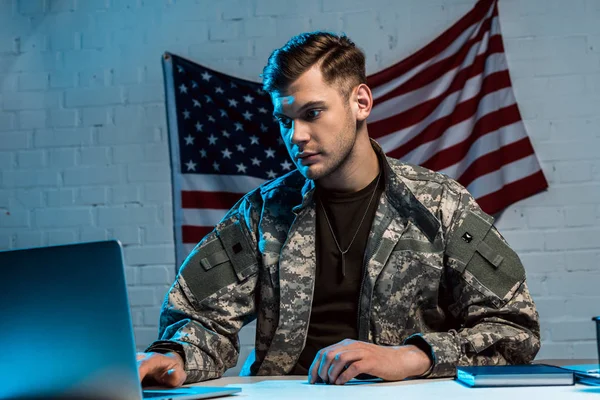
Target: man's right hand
(162,369)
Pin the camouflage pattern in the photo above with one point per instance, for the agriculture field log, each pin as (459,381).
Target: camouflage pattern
(412,289)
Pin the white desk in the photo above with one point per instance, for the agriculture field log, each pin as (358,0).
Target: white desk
(296,387)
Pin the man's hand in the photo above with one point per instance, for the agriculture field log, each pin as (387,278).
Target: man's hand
(163,369)
(339,363)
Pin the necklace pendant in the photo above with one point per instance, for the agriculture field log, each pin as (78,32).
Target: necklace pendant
(343,265)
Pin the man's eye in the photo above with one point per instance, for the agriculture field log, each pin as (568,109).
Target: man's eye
(286,122)
(313,114)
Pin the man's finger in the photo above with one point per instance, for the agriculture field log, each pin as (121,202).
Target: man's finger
(174,377)
(143,370)
(314,372)
(353,370)
(326,361)
(341,361)
(314,368)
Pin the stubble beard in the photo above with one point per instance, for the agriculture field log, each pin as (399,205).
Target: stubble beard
(341,155)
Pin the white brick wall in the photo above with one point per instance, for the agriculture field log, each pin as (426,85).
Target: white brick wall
(83,151)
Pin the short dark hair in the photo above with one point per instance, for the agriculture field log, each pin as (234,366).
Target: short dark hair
(341,62)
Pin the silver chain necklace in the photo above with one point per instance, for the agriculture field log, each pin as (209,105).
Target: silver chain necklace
(343,252)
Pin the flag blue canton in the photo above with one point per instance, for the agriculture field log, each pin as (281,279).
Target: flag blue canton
(226,125)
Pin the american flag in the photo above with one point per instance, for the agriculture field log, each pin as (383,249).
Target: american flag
(449,107)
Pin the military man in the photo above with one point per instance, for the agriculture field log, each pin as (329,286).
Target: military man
(354,264)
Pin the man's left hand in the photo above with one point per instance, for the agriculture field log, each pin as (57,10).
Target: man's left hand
(339,363)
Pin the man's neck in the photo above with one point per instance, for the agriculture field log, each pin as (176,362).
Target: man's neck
(357,171)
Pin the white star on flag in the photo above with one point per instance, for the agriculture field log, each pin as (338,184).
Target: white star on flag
(206,76)
(189,139)
(270,152)
(216,166)
(202,153)
(199,126)
(241,148)
(253,139)
(196,103)
(186,114)
(212,139)
(238,126)
(226,153)
(182,88)
(271,174)
(255,161)
(248,99)
(286,165)
(247,116)
(232,103)
(241,167)
(191,166)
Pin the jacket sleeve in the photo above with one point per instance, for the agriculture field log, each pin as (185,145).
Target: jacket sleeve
(212,297)
(485,291)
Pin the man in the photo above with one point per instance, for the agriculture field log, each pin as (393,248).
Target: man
(354,264)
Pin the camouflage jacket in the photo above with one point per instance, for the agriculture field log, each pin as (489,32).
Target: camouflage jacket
(435,269)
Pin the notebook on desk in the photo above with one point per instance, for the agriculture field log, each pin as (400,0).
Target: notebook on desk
(588,374)
(514,375)
(65,314)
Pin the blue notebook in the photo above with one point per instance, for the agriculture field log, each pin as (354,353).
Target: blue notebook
(514,375)
(588,374)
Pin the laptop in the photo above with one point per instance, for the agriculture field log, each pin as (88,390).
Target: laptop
(65,327)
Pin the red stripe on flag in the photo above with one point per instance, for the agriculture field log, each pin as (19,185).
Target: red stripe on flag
(438,69)
(489,123)
(513,192)
(194,234)
(211,200)
(435,47)
(494,160)
(461,113)
(420,111)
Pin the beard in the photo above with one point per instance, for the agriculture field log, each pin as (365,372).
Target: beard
(337,158)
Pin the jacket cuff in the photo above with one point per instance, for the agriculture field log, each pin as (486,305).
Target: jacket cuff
(194,371)
(167,346)
(444,351)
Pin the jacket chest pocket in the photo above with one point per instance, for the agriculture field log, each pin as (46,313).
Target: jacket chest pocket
(405,299)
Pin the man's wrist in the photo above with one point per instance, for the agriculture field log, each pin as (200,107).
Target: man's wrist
(177,356)
(419,361)
(168,350)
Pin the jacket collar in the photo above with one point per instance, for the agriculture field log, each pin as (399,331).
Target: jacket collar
(399,195)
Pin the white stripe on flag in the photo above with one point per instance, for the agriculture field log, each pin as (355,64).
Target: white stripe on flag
(452,49)
(401,103)
(486,144)
(509,173)
(220,183)
(202,216)
(489,103)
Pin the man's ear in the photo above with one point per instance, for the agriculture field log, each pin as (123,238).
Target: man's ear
(364,102)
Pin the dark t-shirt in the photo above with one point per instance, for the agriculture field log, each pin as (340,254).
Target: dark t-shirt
(334,314)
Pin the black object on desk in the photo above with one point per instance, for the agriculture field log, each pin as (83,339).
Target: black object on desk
(514,375)
(597,319)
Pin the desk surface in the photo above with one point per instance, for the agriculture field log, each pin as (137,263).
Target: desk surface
(296,387)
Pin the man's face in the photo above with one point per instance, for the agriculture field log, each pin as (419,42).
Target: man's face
(317,124)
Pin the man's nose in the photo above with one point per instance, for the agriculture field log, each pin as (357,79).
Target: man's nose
(300,132)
